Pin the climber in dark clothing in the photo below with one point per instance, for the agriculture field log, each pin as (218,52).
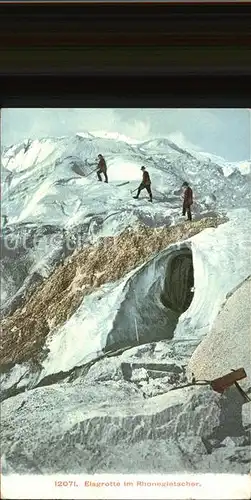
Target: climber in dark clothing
(187,200)
(145,184)
(9,178)
(102,168)
(26,147)
(5,220)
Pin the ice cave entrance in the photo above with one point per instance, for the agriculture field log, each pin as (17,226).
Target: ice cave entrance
(177,293)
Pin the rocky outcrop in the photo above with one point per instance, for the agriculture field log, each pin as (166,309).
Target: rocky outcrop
(85,428)
(228,345)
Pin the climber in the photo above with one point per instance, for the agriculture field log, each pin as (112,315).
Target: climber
(9,178)
(187,200)
(26,147)
(145,184)
(5,220)
(102,168)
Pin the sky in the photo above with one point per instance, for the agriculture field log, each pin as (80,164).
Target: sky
(223,132)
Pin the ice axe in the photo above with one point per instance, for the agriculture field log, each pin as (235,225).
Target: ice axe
(133,190)
(91,172)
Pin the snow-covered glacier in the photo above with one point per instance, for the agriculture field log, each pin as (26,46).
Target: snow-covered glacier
(157,311)
(52,185)
(151,303)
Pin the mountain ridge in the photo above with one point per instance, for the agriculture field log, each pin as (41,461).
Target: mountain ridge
(105,299)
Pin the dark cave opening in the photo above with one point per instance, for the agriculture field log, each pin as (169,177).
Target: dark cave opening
(177,293)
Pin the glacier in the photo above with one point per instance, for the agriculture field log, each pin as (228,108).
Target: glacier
(220,260)
(129,342)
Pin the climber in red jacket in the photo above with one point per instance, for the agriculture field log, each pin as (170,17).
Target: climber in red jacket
(102,168)
(145,184)
(187,200)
